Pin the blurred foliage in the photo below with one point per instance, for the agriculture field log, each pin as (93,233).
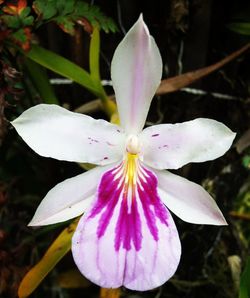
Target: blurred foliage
(241,28)
(213,257)
(19,20)
(67,13)
(244,283)
(59,248)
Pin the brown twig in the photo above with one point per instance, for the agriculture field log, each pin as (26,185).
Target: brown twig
(180,81)
(174,83)
(239,215)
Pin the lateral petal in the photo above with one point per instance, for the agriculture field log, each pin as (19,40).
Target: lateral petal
(188,200)
(127,237)
(170,146)
(53,131)
(69,198)
(136,71)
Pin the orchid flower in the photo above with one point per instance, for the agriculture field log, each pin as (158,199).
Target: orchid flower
(126,235)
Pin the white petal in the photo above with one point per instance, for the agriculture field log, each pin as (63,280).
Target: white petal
(188,200)
(53,131)
(170,146)
(136,71)
(69,198)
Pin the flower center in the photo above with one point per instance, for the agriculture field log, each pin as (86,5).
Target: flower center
(133,145)
(130,170)
(128,202)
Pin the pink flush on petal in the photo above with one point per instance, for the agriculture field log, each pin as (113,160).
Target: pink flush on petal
(130,182)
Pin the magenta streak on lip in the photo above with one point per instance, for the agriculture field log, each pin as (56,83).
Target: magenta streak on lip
(108,195)
(128,225)
(128,228)
(149,197)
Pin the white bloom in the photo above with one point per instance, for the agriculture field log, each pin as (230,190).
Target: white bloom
(127,235)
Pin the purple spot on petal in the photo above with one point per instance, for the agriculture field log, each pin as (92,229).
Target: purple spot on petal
(92,140)
(110,144)
(105,158)
(155,135)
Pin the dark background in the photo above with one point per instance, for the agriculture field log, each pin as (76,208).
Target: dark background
(190,35)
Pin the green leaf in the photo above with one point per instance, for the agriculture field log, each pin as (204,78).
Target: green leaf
(94,53)
(68,69)
(41,82)
(240,27)
(44,9)
(25,12)
(59,248)
(62,66)
(71,11)
(65,7)
(246,161)
(28,21)
(245,281)
(66,25)
(20,36)
(95,16)
(13,22)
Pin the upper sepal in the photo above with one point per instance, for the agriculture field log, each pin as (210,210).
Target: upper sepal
(136,72)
